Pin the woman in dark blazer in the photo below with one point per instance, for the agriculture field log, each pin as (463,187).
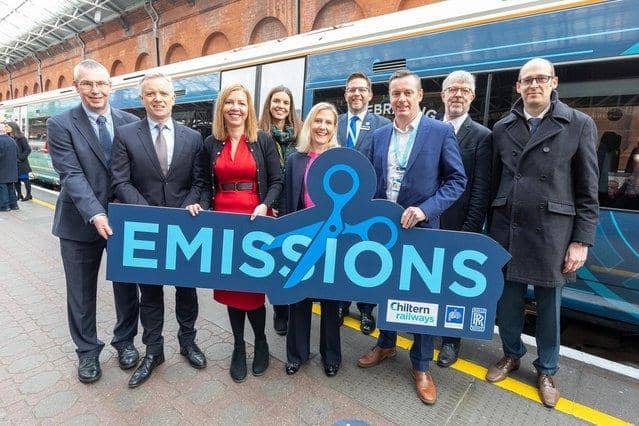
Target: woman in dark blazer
(12,129)
(244,177)
(317,135)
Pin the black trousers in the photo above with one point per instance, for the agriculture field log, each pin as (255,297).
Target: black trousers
(152,316)
(281,311)
(81,261)
(366,308)
(299,332)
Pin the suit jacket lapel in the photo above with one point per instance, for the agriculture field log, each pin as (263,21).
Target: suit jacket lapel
(178,145)
(147,142)
(383,151)
(81,121)
(342,129)
(366,127)
(547,129)
(464,130)
(420,138)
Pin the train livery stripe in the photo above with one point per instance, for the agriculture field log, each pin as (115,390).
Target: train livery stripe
(527,391)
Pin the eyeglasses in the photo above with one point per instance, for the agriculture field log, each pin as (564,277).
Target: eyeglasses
(357,89)
(453,90)
(88,85)
(540,79)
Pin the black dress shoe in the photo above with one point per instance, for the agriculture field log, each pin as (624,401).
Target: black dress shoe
(261,358)
(342,312)
(292,368)
(27,198)
(331,369)
(194,355)
(128,356)
(367,324)
(238,364)
(449,352)
(280,324)
(143,372)
(89,369)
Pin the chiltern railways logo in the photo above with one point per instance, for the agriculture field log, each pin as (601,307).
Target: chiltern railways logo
(405,312)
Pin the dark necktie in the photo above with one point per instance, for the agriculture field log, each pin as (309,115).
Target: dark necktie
(160,149)
(104,137)
(534,125)
(350,143)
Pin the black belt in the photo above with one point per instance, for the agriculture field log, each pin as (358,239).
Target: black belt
(237,186)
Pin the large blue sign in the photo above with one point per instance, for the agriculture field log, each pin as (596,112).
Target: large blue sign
(348,247)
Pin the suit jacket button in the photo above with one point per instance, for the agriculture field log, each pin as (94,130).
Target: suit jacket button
(539,229)
(541,206)
(546,149)
(514,225)
(518,176)
(514,153)
(542,177)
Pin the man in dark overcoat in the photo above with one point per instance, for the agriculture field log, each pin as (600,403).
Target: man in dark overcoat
(544,213)
(8,172)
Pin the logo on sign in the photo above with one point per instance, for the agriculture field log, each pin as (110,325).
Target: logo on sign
(454,317)
(415,313)
(478,320)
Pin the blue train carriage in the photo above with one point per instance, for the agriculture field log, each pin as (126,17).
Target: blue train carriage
(594,44)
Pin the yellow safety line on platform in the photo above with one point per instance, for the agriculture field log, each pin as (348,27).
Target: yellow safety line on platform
(564,405)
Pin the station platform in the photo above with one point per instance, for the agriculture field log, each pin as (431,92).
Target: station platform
(38,383)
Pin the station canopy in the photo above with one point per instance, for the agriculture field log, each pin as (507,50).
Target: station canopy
(31,26)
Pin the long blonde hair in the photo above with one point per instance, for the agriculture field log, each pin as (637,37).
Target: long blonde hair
(304,138)
(250,125)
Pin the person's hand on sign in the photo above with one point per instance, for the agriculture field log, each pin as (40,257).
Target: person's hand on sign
(275,212)
(411,217)
(260,210)
(101,223)
(194,209)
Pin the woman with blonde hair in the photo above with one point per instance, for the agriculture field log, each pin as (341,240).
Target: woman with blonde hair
(318,135)
(279,118)
(245,178)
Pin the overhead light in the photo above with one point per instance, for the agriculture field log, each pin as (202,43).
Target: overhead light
(97,16)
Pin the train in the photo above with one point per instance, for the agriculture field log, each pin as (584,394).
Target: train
(594,44)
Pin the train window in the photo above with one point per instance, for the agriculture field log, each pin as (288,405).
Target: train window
(609,93)
(432,105)
(244,76)
(196,115)
(37,133)
(287,73)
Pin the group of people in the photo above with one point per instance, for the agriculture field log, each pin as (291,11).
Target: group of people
(14,166)
(534,176)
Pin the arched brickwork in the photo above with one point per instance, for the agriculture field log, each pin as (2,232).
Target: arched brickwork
(117,68)
(409,4)
(47,85)
(16,93)
(143,61)
(337,12)
(0,97)
(8,95)
(269,28)
(216,42)
(25,91)
(62,82)
(176,53)
(36,88)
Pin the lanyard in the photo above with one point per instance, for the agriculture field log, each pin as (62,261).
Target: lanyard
(403,159)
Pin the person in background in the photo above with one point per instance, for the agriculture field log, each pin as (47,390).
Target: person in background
(317,136)
(24,168)
(8,172)
(244,177)
(355,130)
(279,118)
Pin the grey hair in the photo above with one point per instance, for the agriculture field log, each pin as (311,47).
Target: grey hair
(153,76)
(87,64)
(539,60)
(459,76)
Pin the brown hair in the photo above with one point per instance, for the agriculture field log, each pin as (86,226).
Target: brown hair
(360,74)
(266,120)
(219,126)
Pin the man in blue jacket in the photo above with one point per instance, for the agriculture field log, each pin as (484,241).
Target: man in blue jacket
(419,167)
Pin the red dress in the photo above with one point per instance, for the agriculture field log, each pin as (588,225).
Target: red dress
(241,169)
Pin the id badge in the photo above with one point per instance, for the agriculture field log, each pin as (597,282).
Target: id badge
(396,185)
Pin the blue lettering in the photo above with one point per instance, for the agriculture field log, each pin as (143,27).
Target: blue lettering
(461,269)
(289,252)
(410,259)
(384,271)
(227,251)
(202,240)
(329,260)
(131,244)
(257,254)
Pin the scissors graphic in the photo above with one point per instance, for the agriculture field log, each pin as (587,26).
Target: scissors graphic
(333,226)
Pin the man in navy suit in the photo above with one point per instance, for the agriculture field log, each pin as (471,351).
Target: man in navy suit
(475,146)
(355,130)
(156,162)
(80,145)
(418,166)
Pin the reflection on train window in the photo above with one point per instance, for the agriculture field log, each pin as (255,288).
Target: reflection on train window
(197,116)
(38,133)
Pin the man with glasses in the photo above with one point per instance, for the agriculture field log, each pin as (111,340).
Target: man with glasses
(156,163)
(544,213)
(475,146)
(80,143)
(355,130)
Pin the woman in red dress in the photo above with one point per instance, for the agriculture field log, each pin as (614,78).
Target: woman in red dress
(246,174)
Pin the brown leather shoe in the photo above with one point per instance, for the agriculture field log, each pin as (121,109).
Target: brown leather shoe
(499,371)
(425,386)
(376,356)
(548,391)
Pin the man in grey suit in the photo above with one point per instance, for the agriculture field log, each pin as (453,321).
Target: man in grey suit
(80,143)
(475,146)
(156,162)
(355,130)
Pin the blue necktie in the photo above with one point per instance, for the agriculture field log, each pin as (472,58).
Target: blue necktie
(534,125)
(352,132)
(104,137)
